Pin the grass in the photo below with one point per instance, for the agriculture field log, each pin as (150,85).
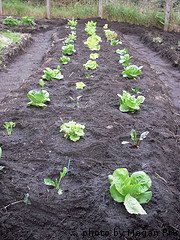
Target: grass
(7,38)
(119,11)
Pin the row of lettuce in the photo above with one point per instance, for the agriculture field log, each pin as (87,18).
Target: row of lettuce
(132,190)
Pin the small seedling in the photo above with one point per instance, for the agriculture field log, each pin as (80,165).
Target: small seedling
(94,56)
(136,90)
(76,100)
(80,85)
(9,127)
(68,49)
(136,141)
(25,200)
(90,65)
(64,60)
(72,130)
(56,183)
(125,60)
(122,51)
(115,42)
(130,190)
(52,74)
(105,26)
(41,83)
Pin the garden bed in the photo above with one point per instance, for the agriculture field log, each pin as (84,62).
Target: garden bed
(37,150)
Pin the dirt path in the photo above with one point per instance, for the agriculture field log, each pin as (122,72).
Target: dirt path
(11,79)
(166,73)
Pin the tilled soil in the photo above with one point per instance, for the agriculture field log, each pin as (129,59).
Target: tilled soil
(37,150)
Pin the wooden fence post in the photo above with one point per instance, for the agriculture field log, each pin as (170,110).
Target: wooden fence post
(48,9)
(167,14)
(1,11)
(100,8)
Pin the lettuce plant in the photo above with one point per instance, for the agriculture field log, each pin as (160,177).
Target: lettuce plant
(130,190)
(115,42)
(38,98)
(10,21)
(105,26)
(72,22)
(9,127)
(68,41)
(52,74)
(56,183)
(68,49)
(136,140)
(72,36)
(129,103)
(110,35)
(122,51)
(90,28)
(64,60)
(132,71)
(90,65)
(93,42)
(28,21)
(72,130)
(125,60)
(41,83)
(94,56)
(80,85)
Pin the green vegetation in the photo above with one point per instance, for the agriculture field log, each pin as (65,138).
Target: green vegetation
(38,98)
(7,38)
(80,85)
(93,42)
(9,127)
(41,83)
(90,65)
(94,56)
(136,140)
(56,183)
(132,71)
(125,60)
(68,49)
(122,51)
(130,190)
(123,11)
(72,22)
(64,60)
(129,103)
(52,74)
(90,28)
(74,131)
(12,22)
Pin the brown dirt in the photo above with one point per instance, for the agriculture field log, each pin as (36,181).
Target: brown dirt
(37,150)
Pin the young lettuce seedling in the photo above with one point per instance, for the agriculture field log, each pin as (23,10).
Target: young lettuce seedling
(52,74)
(122,51)
(132,71)
(94,56)
(80,85)
(64,60)
(135,139)
(76,101)
(130,190)
(38,98)
(129,103)
(68,49)
(136,90)
(90,28)
(72,22)
(41,83)
(125,60)
(9,127)
(90,65)
(56,183)
(93,42)
(115,42)
(72,130)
